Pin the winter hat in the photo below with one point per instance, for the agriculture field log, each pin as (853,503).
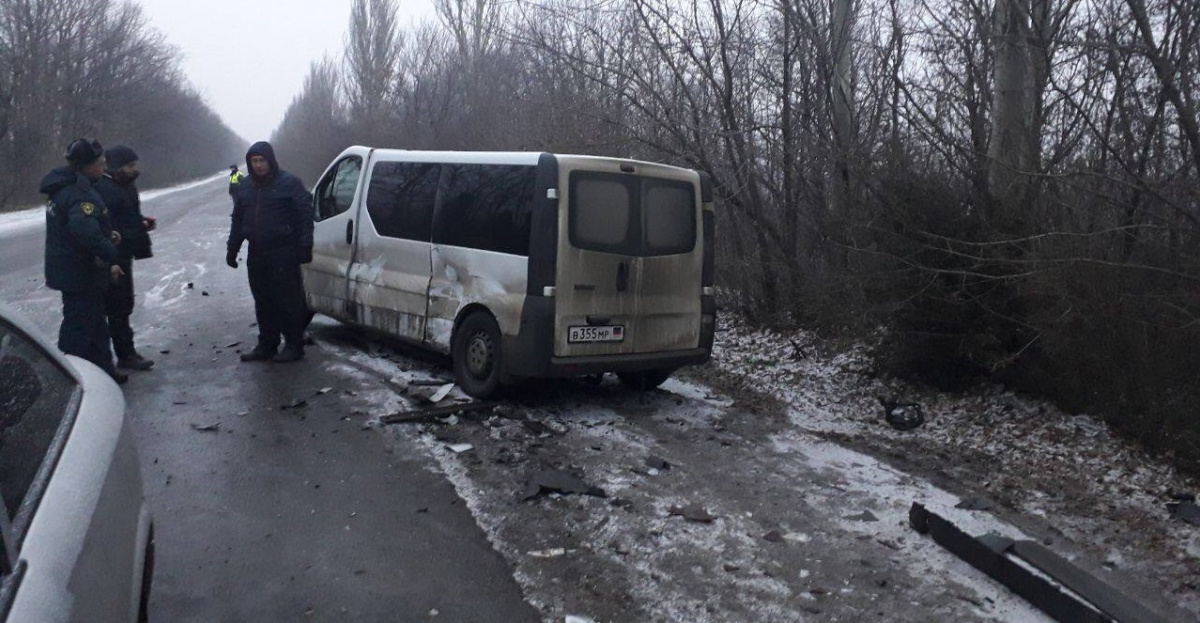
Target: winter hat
(83,151)
(119,156)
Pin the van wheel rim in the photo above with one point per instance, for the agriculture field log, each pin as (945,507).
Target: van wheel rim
(479,355)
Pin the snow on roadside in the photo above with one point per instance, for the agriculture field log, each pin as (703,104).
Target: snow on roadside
(34,217)
(1070,472)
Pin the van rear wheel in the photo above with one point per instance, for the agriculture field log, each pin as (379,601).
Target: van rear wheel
(646,379)
(477,356)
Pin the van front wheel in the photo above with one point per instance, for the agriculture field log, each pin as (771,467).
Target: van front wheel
(646,379)
(477,356)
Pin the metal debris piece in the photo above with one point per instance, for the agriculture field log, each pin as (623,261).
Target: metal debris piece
(207,428)
(654,462)
(1185,511)
(974,504)
(692,512)
(552,481)
(427,414)
(1088,600)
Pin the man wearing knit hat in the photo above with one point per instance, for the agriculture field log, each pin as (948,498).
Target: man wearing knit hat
(120,194)
(81,253)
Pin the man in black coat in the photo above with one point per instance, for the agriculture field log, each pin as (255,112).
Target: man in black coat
(272,210)
(120,194)
(81,253)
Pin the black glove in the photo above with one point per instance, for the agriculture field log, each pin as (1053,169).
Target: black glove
(305,256)
(231,258)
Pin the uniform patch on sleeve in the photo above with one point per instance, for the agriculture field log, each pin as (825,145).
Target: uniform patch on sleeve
(87,208)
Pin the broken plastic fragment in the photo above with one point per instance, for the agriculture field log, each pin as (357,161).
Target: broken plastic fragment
(692,512)
(459,448)
(441,393)
(558,482)
(553,552)
(207,428)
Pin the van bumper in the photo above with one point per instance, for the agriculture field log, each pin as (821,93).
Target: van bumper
(530,353)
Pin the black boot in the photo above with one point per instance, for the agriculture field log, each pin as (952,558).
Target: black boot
(135,362)
(291,352)
(118,376)
(262,352)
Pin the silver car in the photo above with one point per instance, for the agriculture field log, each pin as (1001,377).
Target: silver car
(78,539)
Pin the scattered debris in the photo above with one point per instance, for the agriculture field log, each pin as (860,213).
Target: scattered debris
(295,404)
(1185,511)
(692,512)
(232,344)
(459,448)
(553,552)
(902,415)
(164,352)
(551,481)
(575,618)
(204,293)
(207,428)
(324,390)
(863,516)
(429,413)
(1012,563)
(974,504)
(773,536)
(442,393)
(191,285)
(654,462)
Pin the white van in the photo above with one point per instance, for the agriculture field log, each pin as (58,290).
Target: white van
(519,264)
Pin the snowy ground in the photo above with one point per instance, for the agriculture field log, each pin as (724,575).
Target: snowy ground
(807,490)
(36,217)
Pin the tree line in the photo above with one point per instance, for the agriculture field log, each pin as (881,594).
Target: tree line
(1005,190)
(94,68)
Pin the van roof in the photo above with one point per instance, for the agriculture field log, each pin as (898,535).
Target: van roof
(493,157)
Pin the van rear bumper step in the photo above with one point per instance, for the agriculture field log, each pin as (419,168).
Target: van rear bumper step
(574,366)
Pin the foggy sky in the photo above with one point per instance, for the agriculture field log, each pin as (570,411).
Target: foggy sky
(249,59)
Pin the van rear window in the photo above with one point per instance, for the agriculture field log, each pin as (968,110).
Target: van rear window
(628,215)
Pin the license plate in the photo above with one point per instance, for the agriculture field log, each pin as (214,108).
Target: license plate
(589,333)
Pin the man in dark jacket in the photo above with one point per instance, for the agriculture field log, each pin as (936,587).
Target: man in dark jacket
(120,195)
(81,253)
(272,210)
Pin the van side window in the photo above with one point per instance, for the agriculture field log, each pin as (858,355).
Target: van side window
(400,198)
(487,207)
(336,192)
(35,396)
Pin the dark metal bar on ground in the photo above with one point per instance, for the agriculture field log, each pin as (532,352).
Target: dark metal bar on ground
(1086,600)
(428,413)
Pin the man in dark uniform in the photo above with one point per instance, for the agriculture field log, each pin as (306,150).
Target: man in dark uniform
(81,253)
(120,195)
(272,210)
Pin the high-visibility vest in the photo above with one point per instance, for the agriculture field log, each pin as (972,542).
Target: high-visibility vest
(235,177)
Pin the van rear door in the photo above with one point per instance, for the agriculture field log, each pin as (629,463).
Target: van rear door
(628,274)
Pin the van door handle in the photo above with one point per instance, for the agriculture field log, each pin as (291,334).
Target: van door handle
(350,231)
(622,276)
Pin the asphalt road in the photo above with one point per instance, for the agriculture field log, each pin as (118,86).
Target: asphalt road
(264,513)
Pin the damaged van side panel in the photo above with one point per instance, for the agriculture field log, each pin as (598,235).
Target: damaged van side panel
(463,277)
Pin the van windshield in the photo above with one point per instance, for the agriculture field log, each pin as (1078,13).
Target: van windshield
(628,215)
